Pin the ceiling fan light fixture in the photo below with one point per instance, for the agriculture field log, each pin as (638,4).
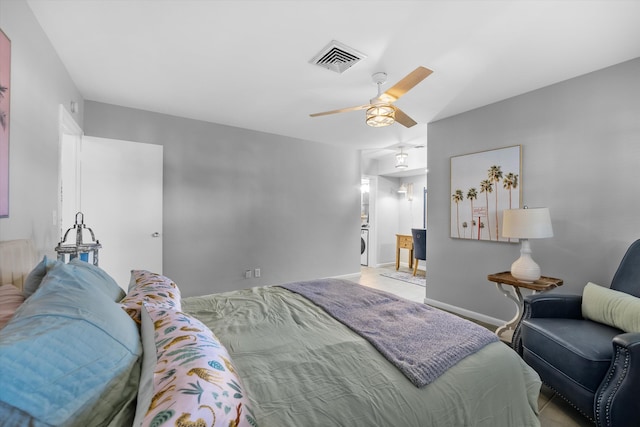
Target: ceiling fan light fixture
(402,160)
(380,110)
(381,115)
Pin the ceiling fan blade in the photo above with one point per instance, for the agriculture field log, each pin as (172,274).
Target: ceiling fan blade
(403,119)
(406,84)
(342,110)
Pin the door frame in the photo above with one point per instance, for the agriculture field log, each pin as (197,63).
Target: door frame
(68,130)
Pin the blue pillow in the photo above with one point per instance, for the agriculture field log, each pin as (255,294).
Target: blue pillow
(34,278)
(69,356)
(98,278)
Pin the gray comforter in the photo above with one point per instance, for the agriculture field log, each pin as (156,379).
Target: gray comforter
(421,341)
(301,367)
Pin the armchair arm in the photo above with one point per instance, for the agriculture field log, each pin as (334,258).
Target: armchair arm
(547,305)
(553,305)
(616,401)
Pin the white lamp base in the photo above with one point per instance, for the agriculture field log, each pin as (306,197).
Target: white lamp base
(525,269)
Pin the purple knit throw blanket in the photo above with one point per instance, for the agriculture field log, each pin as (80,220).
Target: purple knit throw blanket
(421,341)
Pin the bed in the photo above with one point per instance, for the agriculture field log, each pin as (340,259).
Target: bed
(80,351)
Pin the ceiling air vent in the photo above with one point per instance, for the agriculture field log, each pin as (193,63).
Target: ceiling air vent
(337,57)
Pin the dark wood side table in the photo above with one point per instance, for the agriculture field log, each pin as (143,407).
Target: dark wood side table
(505,278)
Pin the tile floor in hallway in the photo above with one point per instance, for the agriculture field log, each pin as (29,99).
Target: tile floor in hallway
(554,411)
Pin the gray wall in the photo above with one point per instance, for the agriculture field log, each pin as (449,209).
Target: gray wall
(236,199)
(393,214)
(39,84)
(411,212)
(581,158)
(386,220)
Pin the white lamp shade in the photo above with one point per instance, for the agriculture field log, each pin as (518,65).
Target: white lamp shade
(532,223)
(402,160)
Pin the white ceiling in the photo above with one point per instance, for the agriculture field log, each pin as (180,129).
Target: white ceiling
(246,63)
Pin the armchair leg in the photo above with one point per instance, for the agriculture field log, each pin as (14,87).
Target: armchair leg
(415,266)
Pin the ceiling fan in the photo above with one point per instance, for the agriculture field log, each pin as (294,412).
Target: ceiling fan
(380,110)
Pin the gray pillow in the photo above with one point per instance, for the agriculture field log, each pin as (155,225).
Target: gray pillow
(611,307)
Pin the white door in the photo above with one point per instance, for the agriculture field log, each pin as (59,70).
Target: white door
(121,199)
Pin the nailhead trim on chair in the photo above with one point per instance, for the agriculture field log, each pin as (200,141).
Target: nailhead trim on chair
(516,338)
(615,363)
(570,403)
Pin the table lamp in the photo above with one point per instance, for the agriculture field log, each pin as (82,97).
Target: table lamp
(525,224)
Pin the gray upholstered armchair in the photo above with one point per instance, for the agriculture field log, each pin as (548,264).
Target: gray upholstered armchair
(594,366)
(419,246)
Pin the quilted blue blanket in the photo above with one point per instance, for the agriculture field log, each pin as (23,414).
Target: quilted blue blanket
(421,341)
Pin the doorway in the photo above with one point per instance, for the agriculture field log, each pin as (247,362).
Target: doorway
(117,185)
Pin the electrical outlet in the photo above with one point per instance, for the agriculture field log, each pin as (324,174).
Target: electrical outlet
(256,272)
(247,274)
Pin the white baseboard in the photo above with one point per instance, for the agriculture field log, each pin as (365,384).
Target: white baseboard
(392,264)
(347,276)
(385,264)
(464,312)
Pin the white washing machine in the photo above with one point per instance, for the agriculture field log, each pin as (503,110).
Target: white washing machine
(364,247)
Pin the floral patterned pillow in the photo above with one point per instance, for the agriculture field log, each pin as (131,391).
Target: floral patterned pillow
(153,287)
(194,380)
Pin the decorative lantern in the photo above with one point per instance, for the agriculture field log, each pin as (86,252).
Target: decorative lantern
(86,250)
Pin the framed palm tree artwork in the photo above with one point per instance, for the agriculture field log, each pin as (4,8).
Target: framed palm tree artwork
(5,85)
(483,185)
